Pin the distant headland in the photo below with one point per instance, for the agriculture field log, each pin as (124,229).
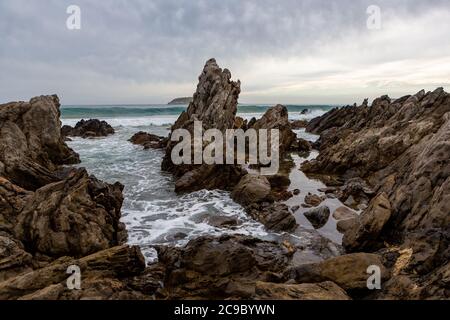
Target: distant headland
(183,100)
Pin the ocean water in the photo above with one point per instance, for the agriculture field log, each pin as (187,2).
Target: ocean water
(153,213)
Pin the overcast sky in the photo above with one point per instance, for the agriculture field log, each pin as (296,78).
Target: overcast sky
(283,51)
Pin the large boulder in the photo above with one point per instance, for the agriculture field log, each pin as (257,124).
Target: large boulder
(364,235)
(103,276)
(76,216)
(306,291)
(274,216)
(255,194)
(31,145)
(348,271)
(251,189)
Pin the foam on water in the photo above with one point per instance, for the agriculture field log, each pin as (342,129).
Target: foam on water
(153,213)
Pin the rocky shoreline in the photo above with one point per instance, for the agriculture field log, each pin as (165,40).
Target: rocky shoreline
(389,161)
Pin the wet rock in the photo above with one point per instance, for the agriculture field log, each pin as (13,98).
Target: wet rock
(348,271)
(210,177)
(148,140)
(304,111)
(76,216)
(369,225)
(355,193)
(343,213)
(221,268)
(251,189)
(299,124)
(222,222)
(14,260)
(279,181)
(318,217)
(313,200)
(91,128)
(240,123)
(274,216)
(301,145)
(401,149)
(320,291)
(346,224)
(50,282)
(277,118)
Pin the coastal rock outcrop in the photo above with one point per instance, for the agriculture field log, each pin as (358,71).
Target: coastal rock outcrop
(52,217)
(148,140)
(91,128)
(215,105)
(255,194)
(277,118)
(218,268)
(31,146)
(401,148)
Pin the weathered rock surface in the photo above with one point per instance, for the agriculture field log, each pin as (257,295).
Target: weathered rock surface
(299,124)
(218,268)
(91,128)
(251,189)
(301,145)
(307,291)
(365,234)
(148,140)
(255,194)
(215,104)
(313,200)
(277,118)
(318,216)
(274,216)
(103,273)
(401,148)
(348,271)
(76,216)
(31,145)
(52,217)
(343,213)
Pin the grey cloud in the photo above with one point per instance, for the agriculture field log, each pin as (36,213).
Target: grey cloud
(132,43)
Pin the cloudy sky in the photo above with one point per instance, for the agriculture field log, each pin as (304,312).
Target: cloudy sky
(283,51)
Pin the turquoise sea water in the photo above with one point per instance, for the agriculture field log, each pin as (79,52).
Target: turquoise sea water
(112,111)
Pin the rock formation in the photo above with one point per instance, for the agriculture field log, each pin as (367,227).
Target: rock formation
(31,146)
(401,148)
(215,105)
(148,140)
(52,217)
(92,128)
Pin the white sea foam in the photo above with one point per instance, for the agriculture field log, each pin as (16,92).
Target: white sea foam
(152,212)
